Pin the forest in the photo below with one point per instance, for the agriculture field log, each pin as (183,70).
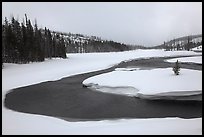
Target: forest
(23,42)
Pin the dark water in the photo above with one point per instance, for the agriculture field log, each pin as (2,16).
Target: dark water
(69,100)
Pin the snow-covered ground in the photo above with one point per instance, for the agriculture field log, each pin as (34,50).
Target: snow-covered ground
(14,76)
(197,59)
(154,82)
(25,124)
(199,48)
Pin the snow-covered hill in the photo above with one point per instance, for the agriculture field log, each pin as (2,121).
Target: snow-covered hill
(78,43)
(182,41)
(78,38)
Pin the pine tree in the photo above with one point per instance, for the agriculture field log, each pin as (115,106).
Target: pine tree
(18,39)
(178,46)
(23,42)
(49,37)
(38,44)
(24,51)
(176,68)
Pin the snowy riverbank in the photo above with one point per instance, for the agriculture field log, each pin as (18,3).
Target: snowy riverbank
(14,76)
(154,82)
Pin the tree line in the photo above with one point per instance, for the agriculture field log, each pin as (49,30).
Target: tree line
(182,43)
(23,42)
(96,46)
(174,45)
(78,43)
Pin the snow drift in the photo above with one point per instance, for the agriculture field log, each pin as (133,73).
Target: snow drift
(149,83)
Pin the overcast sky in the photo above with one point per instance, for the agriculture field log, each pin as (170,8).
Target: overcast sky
(146,23)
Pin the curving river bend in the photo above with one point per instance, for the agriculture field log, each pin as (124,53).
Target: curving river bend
(69,100)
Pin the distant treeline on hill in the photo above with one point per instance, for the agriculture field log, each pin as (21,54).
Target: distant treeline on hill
(78,43)
(23,42)
(182,43)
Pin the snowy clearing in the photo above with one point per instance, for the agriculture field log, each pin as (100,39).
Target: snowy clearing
(26,124)
(14,76)
(158,82)
(197,60)
(199,48)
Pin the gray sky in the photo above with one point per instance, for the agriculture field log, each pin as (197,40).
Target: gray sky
(131,23)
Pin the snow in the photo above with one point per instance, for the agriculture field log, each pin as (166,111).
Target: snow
(127,69)
(199,39)
(161,81)
(14,76)
(199,48)
(26,124)
(197,59)
(77,63)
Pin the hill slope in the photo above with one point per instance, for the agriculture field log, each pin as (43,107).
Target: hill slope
(78,43)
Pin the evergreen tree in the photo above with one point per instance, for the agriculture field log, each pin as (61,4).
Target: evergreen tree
(23,42)
(188,45)
(25,49)
(63,48)
(38,44)
(49,44)
(178,46)
(176,68)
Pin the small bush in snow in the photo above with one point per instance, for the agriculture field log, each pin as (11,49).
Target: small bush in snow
(176,68)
